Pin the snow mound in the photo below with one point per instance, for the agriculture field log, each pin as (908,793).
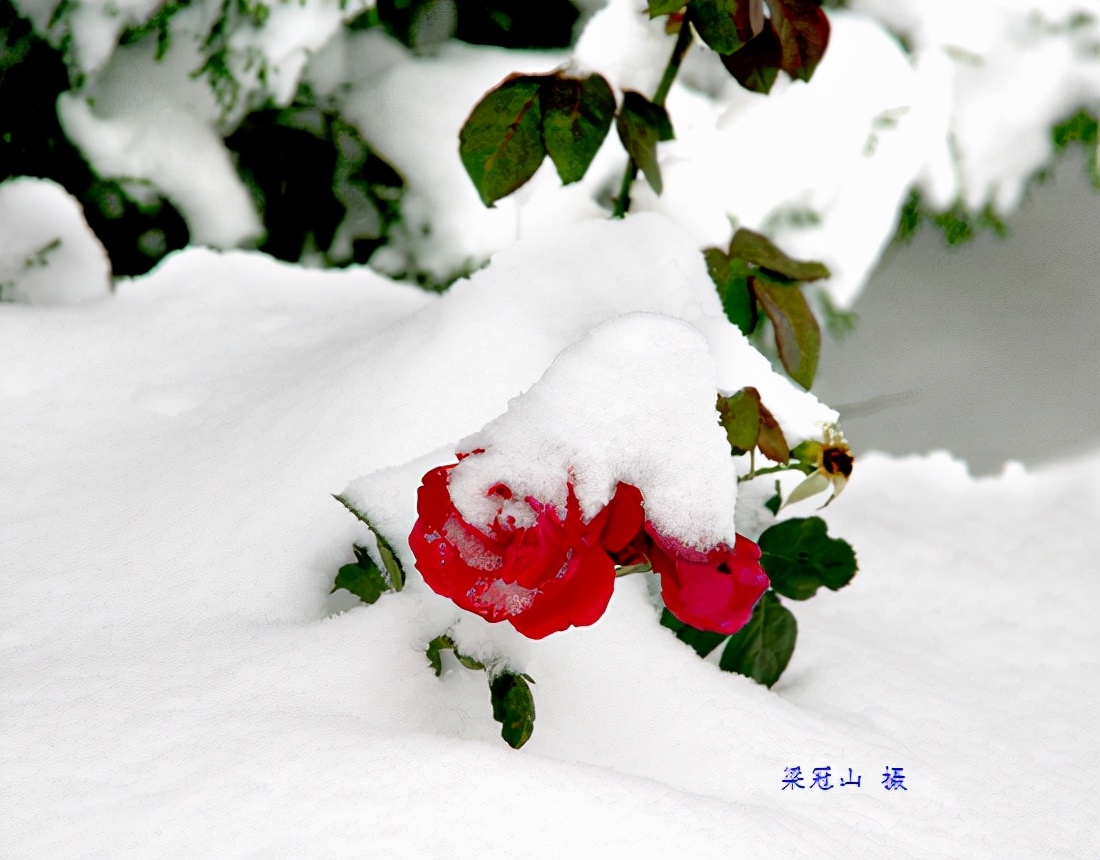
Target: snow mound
(176,683)
(48,254)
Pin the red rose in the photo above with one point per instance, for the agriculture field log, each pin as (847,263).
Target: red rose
(714,590)
(540,578)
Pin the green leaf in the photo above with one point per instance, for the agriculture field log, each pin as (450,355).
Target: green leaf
(775,502)
(641,125)
(797,335)
(443,643)
(513,708)
(731,277)
(1082,127)
(501,143)
(756,66)
(761,251)
(364,579)
(739,415)
(701,641)
(762,648)
(394,570)
(664,7)
(576,117)
(799,557)
(803,32)
(723,24)
(749,424)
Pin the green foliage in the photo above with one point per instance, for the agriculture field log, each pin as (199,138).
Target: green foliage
(509,692)
(641,125)
(437,646)
(664,7)
(513,707)
(1081,128)
(501,143)
(803,32)
(762,648)
(527,117)
(799,557)
(760,251)
(755,275)
(518,24)
(318,185)
(793,37)
(731,277)
(958,224)
(158,25)
(135,233)
(756,66)
(577,115)
(774,503)
(723,24)
(839,323)
(394,572)
(703,642)
(364,578)
(797,335)
(749,424)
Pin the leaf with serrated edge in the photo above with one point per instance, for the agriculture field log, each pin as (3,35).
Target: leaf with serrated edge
(576,117)
(762,648)
(803,31)
(641,125)
(756,66)
(797,336)
(393,567)
(799,557)
(501,142)
(761,251)
(724,25)
(513,708)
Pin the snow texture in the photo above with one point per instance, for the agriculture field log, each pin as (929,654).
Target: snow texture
(823,167)
(48,255)
(152,122)
(178,683)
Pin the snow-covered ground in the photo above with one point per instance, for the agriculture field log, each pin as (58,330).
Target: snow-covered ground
(179,684)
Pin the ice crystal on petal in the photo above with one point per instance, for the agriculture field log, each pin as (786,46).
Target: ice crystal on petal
(471,551)
(505,598)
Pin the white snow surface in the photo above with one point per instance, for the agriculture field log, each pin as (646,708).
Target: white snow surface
(48,254)
(631,402)
(178,682)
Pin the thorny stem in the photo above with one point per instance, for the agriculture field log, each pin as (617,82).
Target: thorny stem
(679,51)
